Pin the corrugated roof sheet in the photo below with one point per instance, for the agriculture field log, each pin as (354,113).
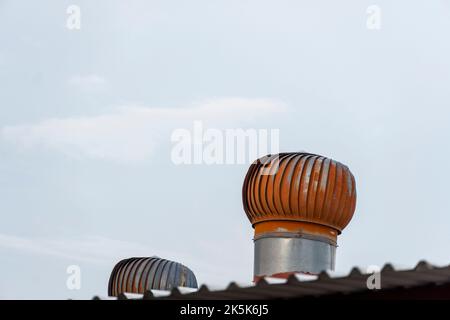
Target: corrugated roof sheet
(299,286)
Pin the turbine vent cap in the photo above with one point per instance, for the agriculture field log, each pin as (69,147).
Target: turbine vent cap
(299,187)
(138,275)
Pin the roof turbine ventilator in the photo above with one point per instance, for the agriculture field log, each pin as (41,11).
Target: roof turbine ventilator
(298,203)
(138,275)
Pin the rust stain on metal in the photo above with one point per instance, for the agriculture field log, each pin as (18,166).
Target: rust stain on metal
(295,227)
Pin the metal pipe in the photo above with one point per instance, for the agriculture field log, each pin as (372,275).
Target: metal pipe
(282,255)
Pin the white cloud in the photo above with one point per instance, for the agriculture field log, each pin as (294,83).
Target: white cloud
(103,252)
(97,250)
(87,82)
(132,133)
(92,249)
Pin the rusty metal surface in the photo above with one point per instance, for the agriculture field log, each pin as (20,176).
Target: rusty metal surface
(323,285)
(306,187)
(137,275)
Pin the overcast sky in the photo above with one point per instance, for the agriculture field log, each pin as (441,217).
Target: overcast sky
(86,117)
